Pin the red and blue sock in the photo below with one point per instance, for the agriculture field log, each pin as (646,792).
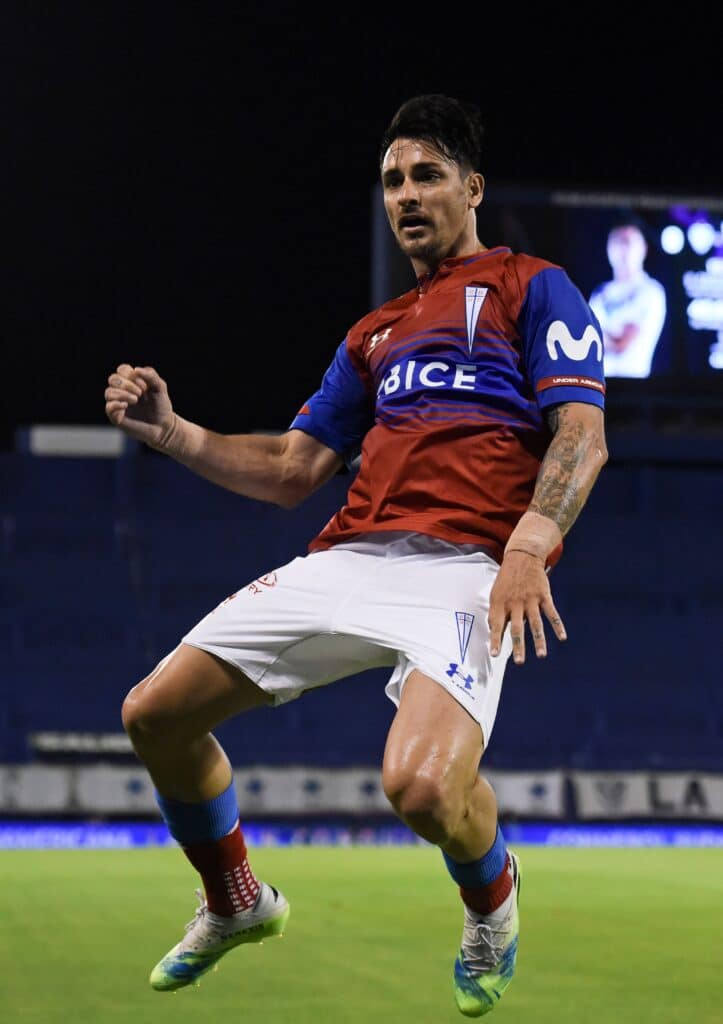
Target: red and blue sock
(484,884)
(210,835)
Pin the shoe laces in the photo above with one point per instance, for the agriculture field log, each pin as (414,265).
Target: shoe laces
(201,912)
(483,944)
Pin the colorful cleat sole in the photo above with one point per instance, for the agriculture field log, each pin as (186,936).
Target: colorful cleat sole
(210,938)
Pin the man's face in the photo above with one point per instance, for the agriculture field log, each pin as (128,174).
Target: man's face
(626,249)
(425,197)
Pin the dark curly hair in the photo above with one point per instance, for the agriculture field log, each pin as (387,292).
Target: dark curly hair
(452,126)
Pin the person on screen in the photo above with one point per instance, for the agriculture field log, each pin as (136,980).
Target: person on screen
(476,399)
(631,307)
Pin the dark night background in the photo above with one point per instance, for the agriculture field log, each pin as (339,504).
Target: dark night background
(189,185)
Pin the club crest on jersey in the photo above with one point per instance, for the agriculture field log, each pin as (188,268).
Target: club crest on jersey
(378,338)
(558,333)
(474,299)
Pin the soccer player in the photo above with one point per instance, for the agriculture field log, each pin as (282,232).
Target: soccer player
(631,306)
(476,400)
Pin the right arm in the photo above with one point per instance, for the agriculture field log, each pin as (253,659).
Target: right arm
(281,469)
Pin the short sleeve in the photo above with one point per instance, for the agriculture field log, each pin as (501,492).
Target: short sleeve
(341,412)
(562,341)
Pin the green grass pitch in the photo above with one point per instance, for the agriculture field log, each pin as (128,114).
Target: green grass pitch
(607,935)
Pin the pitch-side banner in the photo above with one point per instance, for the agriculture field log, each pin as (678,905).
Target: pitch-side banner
(359,791)
(262,791)
(105,789)
(529,794)
(659,795)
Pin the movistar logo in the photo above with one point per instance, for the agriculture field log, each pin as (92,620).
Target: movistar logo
(558,333)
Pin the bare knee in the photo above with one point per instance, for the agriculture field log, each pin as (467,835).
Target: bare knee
(135,716)
(425,803)
(147,719)
(184,698)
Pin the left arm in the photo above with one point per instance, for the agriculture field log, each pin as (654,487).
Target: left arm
(568,472)
(572,462)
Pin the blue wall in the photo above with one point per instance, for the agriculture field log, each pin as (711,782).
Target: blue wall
(106,562)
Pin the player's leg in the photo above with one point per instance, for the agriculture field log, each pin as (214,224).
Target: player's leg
(169,717)
(431,771)
(279,629)
(431,778)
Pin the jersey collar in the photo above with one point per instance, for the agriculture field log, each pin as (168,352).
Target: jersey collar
(450,264)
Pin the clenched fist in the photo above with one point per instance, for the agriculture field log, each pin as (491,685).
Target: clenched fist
(136,400)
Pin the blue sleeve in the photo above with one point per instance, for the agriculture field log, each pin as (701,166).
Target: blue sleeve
(562,341)
(341,412)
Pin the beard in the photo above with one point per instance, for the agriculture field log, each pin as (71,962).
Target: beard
(427,249)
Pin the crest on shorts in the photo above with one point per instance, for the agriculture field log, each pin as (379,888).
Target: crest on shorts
(464,631)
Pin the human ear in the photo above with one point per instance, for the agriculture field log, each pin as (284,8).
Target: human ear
(475,188)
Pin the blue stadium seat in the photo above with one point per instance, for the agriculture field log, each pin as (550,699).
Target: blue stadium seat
(106,563)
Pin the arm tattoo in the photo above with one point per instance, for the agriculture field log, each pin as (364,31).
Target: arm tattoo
(565,477)
(553,418)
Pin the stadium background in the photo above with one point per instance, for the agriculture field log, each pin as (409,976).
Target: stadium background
(196,192)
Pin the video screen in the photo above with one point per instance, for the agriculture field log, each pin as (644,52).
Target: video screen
(651,267)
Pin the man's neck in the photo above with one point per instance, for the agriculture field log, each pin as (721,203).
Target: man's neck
(425,267)
(630,276)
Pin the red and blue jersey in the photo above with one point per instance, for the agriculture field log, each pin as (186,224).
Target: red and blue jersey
(443,391)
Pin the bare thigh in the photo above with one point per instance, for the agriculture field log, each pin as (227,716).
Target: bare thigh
(433,738)
(189,693)
(431,771)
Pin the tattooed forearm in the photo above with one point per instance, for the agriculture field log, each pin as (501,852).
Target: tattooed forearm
(557,493)
(571,465)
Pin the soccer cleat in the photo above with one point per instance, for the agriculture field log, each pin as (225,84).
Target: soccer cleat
(486,961)
(209,936)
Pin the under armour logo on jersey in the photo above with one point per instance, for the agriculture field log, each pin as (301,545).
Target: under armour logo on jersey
(558,333)
(378,338)
(474,298)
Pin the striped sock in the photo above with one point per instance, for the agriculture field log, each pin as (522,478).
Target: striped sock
(484,884)
(228,880)
(210,835)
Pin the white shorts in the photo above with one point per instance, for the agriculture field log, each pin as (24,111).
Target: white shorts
(399,599)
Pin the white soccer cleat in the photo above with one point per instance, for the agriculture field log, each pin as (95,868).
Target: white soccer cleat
(486,960)
(209,936)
